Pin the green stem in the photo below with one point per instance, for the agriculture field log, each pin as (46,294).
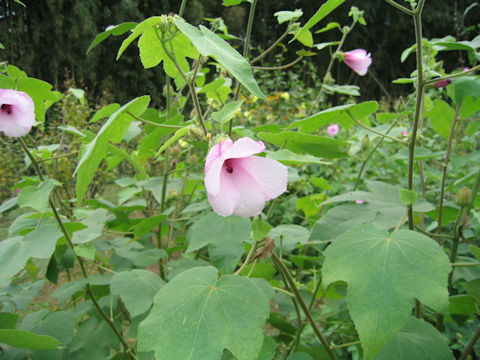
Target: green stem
(470,345)
(286,66)
(417,20)
(182,8)
(245,55)
(247,259)
(451,76)
(153,123)
(400,7)
(364,163)
(445,165)
(329,67)
(304,307)
(271,47)
(359,123)
(80,261)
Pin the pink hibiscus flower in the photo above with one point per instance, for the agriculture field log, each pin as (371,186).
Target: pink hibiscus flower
(358,60)
(332,130)
(239,183)
(16,112)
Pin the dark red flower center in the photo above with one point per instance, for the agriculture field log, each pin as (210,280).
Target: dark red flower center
(228,166)
(6,108)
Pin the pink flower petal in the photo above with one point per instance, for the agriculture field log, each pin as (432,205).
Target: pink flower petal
(217,151)
(269,175)
(227,197)
(358,60)
(17,114)
(252,200)
(212,177)
(244,147)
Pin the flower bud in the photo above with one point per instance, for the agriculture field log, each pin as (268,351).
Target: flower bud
(365,143)
(195,134)
(464,197)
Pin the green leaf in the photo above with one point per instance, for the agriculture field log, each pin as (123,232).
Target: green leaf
(8,204)
(305,37)
(227,112)
(470,105)
(385,273)
(466,86)
(14,252)
(41,94)
(284,16)
(8,320)
(196,316)
(26,340)
(288,157)
(260,229)
(94,152)
(323,11)
(111,30)
(352,90)
(418,340)
(137,31)
(341,218)
(441,117)
(136,288)
(408,197)
(475,250)
(210,44)
(336,114)
(225,236)
(86,251)
(93,222)
(152,52)
(329,26)
(319,146)
(178,135)
(105,112)
(461,305)
(288,236)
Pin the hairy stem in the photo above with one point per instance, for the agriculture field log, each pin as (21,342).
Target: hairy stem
(304,307)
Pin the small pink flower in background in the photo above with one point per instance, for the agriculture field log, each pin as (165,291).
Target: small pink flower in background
(359,202)
(466,69)
(16,112)
(332,130)
(442,83)
(358,60)
(405,133)
(239,183)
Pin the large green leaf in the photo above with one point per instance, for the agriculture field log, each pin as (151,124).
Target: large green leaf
(26,340)
(41,94)
(226,236)
(14,252)
(37,197)
(152,52)
(136,288)
(466,86)
(210,44)
(196,316)
(385,273)
(113,130)
(323,11)
(441,116)
(94,221)
(418,340)
(300,143)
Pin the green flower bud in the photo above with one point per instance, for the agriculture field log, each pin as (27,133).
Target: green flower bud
(195,134)
(365,143)
(464,197)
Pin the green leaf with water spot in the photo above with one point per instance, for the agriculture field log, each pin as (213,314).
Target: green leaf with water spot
(384,274)
(197,315)
(210,44)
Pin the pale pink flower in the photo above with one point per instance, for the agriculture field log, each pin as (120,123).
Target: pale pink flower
(405,133)
(332,129)
(239,183)
(358,60)
(359,202)
(16,112)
